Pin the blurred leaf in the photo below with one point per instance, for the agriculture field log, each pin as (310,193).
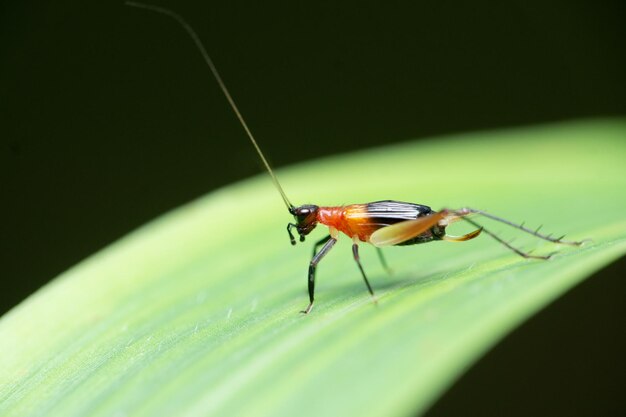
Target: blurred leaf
(196,313)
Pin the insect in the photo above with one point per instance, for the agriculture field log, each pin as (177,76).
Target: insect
(380,223)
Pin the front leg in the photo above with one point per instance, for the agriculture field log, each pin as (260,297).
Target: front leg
(328,243)
(318,244)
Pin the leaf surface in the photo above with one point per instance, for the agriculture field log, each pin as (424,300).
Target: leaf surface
(196,313)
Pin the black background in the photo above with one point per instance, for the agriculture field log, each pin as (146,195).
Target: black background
(108,117)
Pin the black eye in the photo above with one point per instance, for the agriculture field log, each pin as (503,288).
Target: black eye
(305,213)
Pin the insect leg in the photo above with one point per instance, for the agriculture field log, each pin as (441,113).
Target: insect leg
(291,238)
(463,238)
(465,211)
(355,252)
(406,230)
(505,243)
(329,242)
(383,261)
(318,244)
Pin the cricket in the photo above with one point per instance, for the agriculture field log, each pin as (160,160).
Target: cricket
(379,223)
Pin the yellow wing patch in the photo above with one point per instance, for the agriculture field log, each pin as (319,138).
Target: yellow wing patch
(406,230)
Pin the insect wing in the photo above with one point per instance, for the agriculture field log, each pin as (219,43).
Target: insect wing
(384,213)
(395,211)
(406,230)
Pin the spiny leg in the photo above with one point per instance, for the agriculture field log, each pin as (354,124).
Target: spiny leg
(383,261)
(507,244)
(467,210)
(355,252)
(328,243)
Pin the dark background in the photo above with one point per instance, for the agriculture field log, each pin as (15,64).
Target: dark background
(108,116)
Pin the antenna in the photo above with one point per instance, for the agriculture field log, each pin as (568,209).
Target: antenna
(209,62)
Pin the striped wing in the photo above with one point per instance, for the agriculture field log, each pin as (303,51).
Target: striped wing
(385,213)
(405,230)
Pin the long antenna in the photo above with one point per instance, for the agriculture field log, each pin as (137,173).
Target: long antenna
(209,62)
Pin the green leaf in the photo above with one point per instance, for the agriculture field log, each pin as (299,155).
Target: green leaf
(197,313)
